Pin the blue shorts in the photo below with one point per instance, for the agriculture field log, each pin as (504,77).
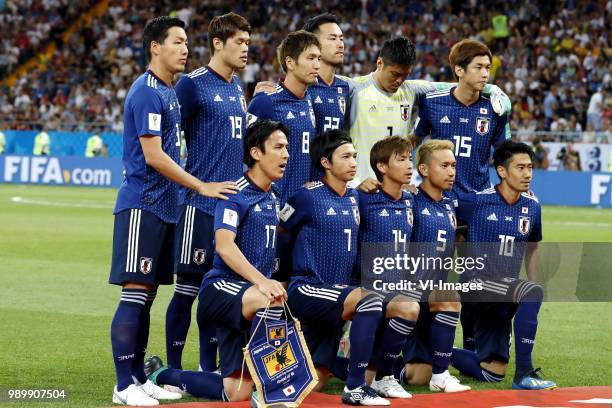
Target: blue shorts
(284,258)
(194,243)
(492,328)
(220,302)
(319,309)
(143,249)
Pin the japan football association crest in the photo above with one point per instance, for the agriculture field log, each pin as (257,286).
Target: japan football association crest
(342,104)
(276,334)
(453,219)
(524,225)
(482,125)
(405,112)
(199,256)
(312,117)
(146,265)
(243,103)
(409,216)
(356,214)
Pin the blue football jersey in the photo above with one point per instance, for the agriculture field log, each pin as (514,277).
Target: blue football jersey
(214,119)
(473,129)
(329,103)
(499,231)
(253,215)
(298,116)
(327,227)
(385,219)
(151,108)
(433,232)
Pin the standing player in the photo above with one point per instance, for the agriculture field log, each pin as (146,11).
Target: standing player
(145,211)
(330,93)
(290,104)
(427,353)
(238,288)
(325,219)
(386,217)
(213,110)
(464,116)
(504,223)
(381,103)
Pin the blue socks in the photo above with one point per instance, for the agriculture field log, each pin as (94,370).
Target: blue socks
(197,383)
(467,323)
(394,337)
(363,330)
(143,339)
(467,362)
(442,337)
(125,329)
(178,320)
(529,297)
(208,345)
(274,313)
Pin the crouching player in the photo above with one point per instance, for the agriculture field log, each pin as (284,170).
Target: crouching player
(504,223)
(427,353)
(234,294)
(325,219)
(386,217)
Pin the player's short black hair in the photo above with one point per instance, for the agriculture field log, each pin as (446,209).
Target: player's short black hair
(313,24)
(256,136)
(226,26)
(156,30)
(293,45)
(326,144)
(503,153)
(398,51)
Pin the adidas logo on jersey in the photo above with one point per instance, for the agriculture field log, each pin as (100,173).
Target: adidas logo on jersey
(445,119)
(372,108)
(218,98)
(331,211)
(384,213)
(290,115)
(425,212)
(257,208)
(318,100)
(492,217)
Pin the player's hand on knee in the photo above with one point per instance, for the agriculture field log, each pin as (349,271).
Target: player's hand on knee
(369,185)
(218,190)
(264,86)
(272,289)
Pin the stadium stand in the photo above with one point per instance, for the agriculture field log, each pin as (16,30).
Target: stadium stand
(551,58)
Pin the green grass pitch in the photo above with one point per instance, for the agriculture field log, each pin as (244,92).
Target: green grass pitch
(56,305)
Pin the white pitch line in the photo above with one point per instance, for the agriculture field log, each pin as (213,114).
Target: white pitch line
(580,224)
(21,200)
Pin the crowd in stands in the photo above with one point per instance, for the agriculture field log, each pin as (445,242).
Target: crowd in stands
(552,58)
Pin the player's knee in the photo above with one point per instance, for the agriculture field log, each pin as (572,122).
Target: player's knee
(371,304)
(403,307)
(323,375)
(528,291)
(436,307)
(134,285)
(493,371)
(234,391)
(417,374)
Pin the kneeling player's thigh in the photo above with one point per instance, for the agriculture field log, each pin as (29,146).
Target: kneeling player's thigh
(416,350)
(221,302)
(142,249)
(230,386)
(320,305)
(231,342)
(193,244)
(398,305)
(493,338)
(417,373)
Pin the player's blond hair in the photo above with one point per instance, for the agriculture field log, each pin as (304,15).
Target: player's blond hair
(430,146)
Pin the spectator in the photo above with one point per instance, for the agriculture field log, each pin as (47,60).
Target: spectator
(595,109)
(94,146)
(551,104)
(571,161)
(541,155)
